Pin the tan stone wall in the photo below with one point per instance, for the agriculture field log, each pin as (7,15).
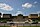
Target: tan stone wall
(6,16)
(33,16)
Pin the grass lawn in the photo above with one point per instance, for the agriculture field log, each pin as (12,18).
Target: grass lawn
(28,26)
(22,26)
(4,26)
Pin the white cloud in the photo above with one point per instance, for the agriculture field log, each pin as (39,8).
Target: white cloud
(1,12)
(35,2)
(34,13)
(38,12)
(5,6)
(27,5)
(19,12)
(13,15)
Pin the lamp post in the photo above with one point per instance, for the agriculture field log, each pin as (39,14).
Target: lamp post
(17,25)
(4,24)
(23,25)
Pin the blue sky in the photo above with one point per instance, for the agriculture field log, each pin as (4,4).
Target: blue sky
(16,7)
